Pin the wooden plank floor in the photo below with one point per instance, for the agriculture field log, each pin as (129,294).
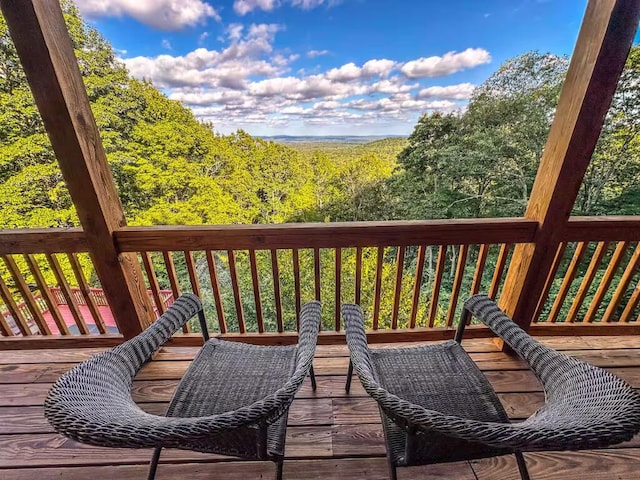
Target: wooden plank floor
(330,435)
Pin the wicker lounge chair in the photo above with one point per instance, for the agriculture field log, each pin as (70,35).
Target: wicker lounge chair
(437,406)
(233,400)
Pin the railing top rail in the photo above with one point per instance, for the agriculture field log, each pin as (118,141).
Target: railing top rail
(42,240)
(320,235)
(326,235)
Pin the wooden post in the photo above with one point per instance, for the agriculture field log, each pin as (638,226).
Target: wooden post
(46,53)
(602,48)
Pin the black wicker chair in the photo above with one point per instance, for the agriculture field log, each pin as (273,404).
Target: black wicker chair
(437,406)
(233,400)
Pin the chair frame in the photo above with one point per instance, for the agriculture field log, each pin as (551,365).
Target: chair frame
(92,403)
(599,416)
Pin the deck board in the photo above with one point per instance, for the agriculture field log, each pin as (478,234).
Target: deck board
(331,434)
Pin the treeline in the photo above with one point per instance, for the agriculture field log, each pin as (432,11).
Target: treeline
(170,168)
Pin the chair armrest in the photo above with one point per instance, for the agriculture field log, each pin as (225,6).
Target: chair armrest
(529,349)
(92,402)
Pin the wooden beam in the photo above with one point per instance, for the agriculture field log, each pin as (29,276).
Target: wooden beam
(603,229)
(327,235)
(46,53)
(603,44)
(42,240)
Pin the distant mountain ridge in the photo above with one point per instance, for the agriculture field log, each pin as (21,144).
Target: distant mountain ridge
(329,138)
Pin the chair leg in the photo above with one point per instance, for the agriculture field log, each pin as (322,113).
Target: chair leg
(393,474)
(313,379)
(347,387)
(279,465)
(522,466)
(153,466)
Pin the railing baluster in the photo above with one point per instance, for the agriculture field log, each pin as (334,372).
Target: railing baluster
(358,286)
(377,291)
(480,264)
(437,282)
(569,276)
(632,266)
(614,263)
(625,317)
(5,330)
(316,271)
(173,281)
(557,260)
(417,283)
(193,274)
(171,273)
(27,297)
(72,303)
(276,290)
(296,282)
(213,274)
(153,281)
(46,294)
(457,283)
(338,292)
(231,256)
(11,305)
(398,288)
(499,271)
(592,269)
(86,292)
(255,280)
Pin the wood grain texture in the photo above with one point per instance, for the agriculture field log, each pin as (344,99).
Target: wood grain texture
(377,288)
(27,296)
(86,292)
(326,235)
(557,260)
(42,42)
(587,280)
(601,50)
(275,270)
(42,240)
(620,290)
(457,283)
(567,280)
(501,263)
(215,286)
(255,281)
(193,274)
(612,267)
(65,289)
(153,281)
(331,434)
(417,286)
(437,282)
(13,309)
(398,287)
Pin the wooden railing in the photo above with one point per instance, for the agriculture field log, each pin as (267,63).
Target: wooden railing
(409,277)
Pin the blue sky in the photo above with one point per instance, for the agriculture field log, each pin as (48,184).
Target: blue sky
(326,67)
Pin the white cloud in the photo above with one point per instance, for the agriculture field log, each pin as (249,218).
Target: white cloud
(317,53)
(462,91)
(250,84)
(166,44)
(203,36)
(242,7)
(449,63)
(162,14)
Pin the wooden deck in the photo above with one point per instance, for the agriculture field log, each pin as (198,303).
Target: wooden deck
(331,434)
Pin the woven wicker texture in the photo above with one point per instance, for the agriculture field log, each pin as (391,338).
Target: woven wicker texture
(586,407)
(218,404)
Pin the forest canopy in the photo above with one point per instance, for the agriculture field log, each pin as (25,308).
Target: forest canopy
(171,169)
